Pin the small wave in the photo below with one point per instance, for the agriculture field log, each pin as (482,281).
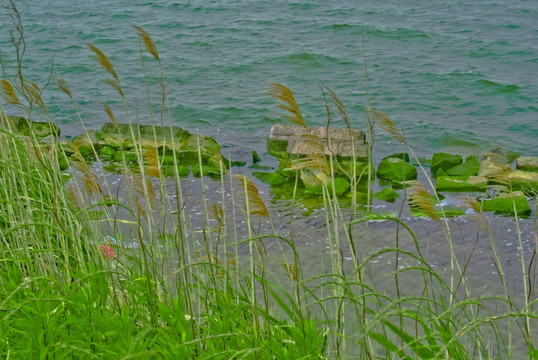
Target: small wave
(497,87)
(397,34)
(309,60)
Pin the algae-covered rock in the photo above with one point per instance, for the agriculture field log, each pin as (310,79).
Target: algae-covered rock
(504,204)
(393,169)
(527,163)
(278,148)
(314,180)
(526,181)
(86,144)
(107,153)
(444,161)
(470,167)
(340,186)
(403,156)
(167,139)
(38,128)
(181,170)
(387,194)
(206,170)
(130,156)
(273,179)
(255,157)
(344,167)
(493,163)
(461,183)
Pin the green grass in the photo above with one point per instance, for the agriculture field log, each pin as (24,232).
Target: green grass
(210,290)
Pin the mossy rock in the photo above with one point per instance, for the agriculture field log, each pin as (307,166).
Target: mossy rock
(526,181)
(444,161)
(39,129)
(361,196)
(361,168)
(340,186)
(461,183)
(446,213)
(273,179)
(255,157)
(206,170)
(393,169)
(107,153)
(131,156)
(283,166)
(260,167)
(387,194)
(313,183)
(236,163)
(504,204)
(527,163)
(181,170)
(403,156)
(470,167)
(278,148)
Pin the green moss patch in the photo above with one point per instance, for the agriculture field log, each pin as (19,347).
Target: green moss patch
(504,204)
(394,169)
(444,161)
(387,194)
(461,183)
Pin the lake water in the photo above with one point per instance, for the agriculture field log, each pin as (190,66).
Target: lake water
(455,75)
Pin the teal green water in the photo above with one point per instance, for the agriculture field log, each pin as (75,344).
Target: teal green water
(455,75)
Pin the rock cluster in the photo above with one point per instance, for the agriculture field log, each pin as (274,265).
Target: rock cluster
(316,158)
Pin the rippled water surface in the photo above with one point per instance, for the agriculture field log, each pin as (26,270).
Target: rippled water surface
(455,75)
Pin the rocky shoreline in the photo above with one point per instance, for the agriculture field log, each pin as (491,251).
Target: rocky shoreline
(497,181)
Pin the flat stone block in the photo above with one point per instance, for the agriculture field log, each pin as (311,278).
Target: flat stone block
(304,141)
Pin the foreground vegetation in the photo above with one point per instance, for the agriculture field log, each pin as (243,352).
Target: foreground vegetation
(89,269)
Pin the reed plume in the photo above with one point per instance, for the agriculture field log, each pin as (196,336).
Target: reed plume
(110,114)
(387,125)
(62,85)
(147,41)
(286,101)
(34,94)
(103,60)
(106,64)
(217,212)
(89,179)
(312,162)
(421,200)
(8,93)
(340,107)
(255,202)
(151,161)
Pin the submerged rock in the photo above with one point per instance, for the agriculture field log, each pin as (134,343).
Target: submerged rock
(273,179)
(387,194)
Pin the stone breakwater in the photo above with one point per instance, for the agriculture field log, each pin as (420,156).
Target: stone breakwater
(313,158)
